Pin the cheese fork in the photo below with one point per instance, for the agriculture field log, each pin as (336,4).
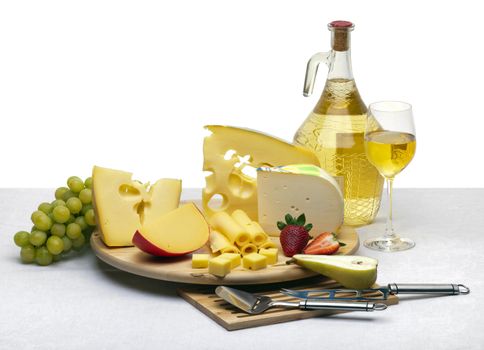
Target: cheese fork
(256,304)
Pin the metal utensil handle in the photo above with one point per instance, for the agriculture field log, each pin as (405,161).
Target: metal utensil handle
(427,288)
(323,305)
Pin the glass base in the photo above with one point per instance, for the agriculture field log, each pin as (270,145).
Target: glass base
(389,245)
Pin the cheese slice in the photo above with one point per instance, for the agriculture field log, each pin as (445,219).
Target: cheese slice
(298,189)
(231,157)
(121,204)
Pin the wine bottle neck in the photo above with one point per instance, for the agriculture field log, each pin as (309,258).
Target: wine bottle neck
(340,66)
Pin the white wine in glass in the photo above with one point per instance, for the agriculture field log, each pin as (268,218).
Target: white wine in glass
(390,145)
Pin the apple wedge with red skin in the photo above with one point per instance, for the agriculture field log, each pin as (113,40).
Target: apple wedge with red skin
(176,233)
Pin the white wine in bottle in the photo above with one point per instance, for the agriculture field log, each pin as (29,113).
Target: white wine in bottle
(335,128)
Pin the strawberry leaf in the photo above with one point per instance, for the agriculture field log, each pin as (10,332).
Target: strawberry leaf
(341,244)
(301,220)
(289,219)
(281,225)
(308,227)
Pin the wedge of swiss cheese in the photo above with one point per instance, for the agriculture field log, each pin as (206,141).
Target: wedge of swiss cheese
(298,189)
(122,205)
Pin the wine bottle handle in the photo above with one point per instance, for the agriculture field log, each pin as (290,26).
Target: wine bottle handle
(312,70)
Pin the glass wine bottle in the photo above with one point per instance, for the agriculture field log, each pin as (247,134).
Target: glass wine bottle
(335,128)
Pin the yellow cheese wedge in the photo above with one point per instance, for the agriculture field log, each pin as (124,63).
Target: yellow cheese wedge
(164,196)
(200,261)
(116,196)
(255,231)
(219,266)
(231,156)
(254,261)
(121,204)
(224,223)
(178,232)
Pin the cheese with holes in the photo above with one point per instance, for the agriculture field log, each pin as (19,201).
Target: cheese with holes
(298,189)
(122,204)
(231,157)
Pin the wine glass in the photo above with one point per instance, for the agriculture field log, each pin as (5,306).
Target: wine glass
(390,145)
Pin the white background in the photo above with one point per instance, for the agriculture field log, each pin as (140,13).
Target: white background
(130,84)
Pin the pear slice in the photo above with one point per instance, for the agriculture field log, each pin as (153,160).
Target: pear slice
(355,272)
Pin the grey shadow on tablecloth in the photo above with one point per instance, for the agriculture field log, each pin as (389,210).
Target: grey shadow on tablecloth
(140,283)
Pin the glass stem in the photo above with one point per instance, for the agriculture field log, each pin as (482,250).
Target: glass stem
(389,234)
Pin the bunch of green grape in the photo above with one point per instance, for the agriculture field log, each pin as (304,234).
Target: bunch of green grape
(60,226)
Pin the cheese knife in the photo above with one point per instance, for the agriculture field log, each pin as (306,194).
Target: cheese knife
(256,304)
(380,293)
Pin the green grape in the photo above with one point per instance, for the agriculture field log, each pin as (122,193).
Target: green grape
(74,204)
(72,219)
(78,242)
(88,182)
(60,192)
(35,215)
(89,217)
(58,230)
(75,183)
(27,254)
(81,222)
(41,220)
(85,196)
(21,238)
(51,216)
(57,257)
(67,195)
(43,257)
(67,244)
(37,238)
(61,214)
(57,203)
(85,208)
(45,207)
(55,245)
(73,231)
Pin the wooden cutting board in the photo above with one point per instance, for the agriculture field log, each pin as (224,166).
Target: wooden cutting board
(179,269)
(231,318)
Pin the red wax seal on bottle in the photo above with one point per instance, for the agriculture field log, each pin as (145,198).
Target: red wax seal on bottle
(341,24)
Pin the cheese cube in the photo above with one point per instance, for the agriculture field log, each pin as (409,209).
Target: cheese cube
(254,261)
(219,266)
(233,258)
(271,254)
(299,189)
(200,261)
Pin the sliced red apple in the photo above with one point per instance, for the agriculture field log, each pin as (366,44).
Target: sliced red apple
(178,232)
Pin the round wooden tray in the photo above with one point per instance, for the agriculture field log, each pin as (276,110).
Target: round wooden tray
(179,269)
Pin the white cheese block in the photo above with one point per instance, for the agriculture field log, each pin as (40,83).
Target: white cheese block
(298,189)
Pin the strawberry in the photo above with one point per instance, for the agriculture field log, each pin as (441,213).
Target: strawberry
(294,234)
(324,244)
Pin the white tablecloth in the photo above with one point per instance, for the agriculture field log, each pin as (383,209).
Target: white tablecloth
(83,303)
